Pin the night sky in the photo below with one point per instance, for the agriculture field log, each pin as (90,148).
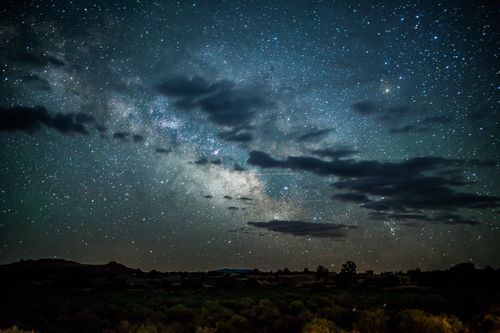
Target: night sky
(196,135)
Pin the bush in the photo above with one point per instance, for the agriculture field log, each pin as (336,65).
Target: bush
(180,313)
(340,316)
(418,321)
(374,321)
(488,322)
(296,307)
(235,324)
(320,325)
(316,303)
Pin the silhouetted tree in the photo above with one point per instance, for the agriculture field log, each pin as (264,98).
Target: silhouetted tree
(349,268)
(321,272)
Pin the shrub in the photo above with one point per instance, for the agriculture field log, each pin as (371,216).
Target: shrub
(418,321)
(180,313)
(340,316)
(374,321)
(235,324)
(320,325)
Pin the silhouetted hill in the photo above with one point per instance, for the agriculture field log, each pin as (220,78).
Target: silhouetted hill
(62,273)
(234,270)
(57,265)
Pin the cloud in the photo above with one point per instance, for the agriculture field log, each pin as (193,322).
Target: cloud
(446,218)
(301,228)
(351,197)
(334,153)
(436,120)
(314,134)
(408,129)
(36,82)
(204,161)
(121,135)
(36,60)
(239,134)
(393,116)
(264,160)
(227,103)
(137,138)
(393,113)
(413,185)
(32,119)
(237,167)
(350,167)
(365,107)
(163,150)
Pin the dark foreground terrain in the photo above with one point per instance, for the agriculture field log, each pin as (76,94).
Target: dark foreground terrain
(64,296)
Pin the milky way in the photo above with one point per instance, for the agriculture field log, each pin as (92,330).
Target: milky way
(196,135)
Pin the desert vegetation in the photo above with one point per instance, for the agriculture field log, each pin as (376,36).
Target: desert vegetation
(62,296)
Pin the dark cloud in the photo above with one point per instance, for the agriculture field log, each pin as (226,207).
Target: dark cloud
(237,167)
(420,183)
(416,192)
(420,126)
(264,160)
(121,135)
(334,153)
(436,120)
(240,137)
(201,161)
(408,129)
(163,150)
(350,167)
(227,103)
(32,119)
(36,82)
(239,134)
(365,107)
(301,228)
(137,138)
(314,134)
(36,60)
(351,197)
(393,113)
(204,161)
(182,86)
(100,128)
(392,116)
(446,218)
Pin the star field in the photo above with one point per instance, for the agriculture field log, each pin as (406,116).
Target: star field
(194,135)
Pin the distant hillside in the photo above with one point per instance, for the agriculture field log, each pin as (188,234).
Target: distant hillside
(44,267)
(234,270)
